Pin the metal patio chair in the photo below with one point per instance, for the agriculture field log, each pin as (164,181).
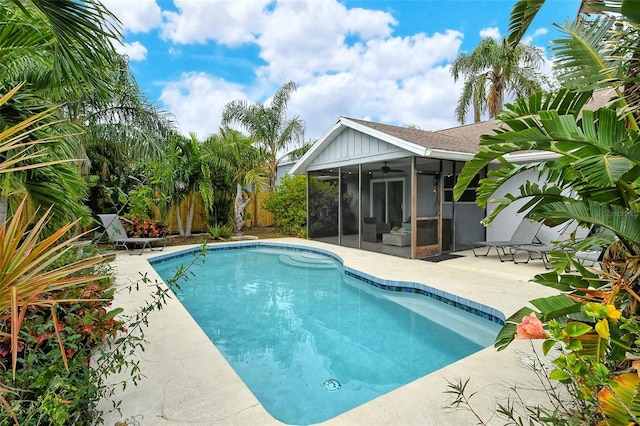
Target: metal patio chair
(118,236)
(525,233)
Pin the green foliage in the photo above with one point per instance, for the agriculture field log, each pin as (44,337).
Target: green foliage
(220,231)
(138,200)
(144,227)
(64,52)
(593,179)
(268,125)
(289,204)
(44,391)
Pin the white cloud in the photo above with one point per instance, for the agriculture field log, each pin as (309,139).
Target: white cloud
(344,61)
(426,99)
(135,51)
(139,16)
(540,32)
(197,101)
(399,58)
(537,33)
(303,39)
(492,32)
(227,22)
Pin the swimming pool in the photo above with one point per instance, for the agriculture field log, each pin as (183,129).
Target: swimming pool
(313,339)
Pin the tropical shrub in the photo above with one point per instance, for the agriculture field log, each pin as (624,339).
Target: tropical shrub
(220,232)
(44,390)
(57,331)
(594,179)
(53,312)
(144,227)
(289,204)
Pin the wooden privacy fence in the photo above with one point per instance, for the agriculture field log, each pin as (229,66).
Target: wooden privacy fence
(257,215)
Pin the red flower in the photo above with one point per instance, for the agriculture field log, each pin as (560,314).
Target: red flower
(530,328)
(88,328)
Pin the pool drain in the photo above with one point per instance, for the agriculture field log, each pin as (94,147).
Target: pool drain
(332,385)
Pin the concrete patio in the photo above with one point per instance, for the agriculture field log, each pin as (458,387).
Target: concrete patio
(187,381)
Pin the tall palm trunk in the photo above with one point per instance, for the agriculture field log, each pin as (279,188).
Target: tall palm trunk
(179,220)
(190,215)
(238,209)
(273,176)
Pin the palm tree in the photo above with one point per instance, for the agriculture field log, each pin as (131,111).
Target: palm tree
(49,176)
(58,50)
(26,147)
(122,133)
(58,46)
(492,70)
(183,174)
(268,126)
(114,125)
(234,152)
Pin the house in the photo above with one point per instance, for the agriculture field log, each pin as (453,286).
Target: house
(389,189)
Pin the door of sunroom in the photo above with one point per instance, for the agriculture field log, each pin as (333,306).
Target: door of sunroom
(428,220)
(387,200)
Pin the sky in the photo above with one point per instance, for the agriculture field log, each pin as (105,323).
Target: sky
(381,60)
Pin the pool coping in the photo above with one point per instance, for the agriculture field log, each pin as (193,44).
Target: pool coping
(180,389)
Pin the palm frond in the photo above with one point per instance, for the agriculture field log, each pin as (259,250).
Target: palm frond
(84,33)
(630,9)
(522,14)
(619,220)
(582,59)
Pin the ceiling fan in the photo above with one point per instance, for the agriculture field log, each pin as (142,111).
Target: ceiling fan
(387,169)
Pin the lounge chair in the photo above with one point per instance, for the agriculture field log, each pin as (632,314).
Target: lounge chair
(525,233)
(533,251)
(592,258)
(118,235)
(541,251)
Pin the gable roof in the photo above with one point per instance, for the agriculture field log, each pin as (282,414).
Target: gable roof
(418,142)
(456,143)
(425,138)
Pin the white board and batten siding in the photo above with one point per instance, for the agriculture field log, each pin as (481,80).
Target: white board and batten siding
(352,147)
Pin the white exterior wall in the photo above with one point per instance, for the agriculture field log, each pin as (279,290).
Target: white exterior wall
(352,147)
(508,220)
(284,169)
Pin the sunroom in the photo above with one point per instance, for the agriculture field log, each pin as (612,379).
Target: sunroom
(389,189)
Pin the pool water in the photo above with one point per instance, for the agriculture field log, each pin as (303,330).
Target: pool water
(312,342)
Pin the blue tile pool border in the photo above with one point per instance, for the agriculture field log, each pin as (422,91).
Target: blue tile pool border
(479,309)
